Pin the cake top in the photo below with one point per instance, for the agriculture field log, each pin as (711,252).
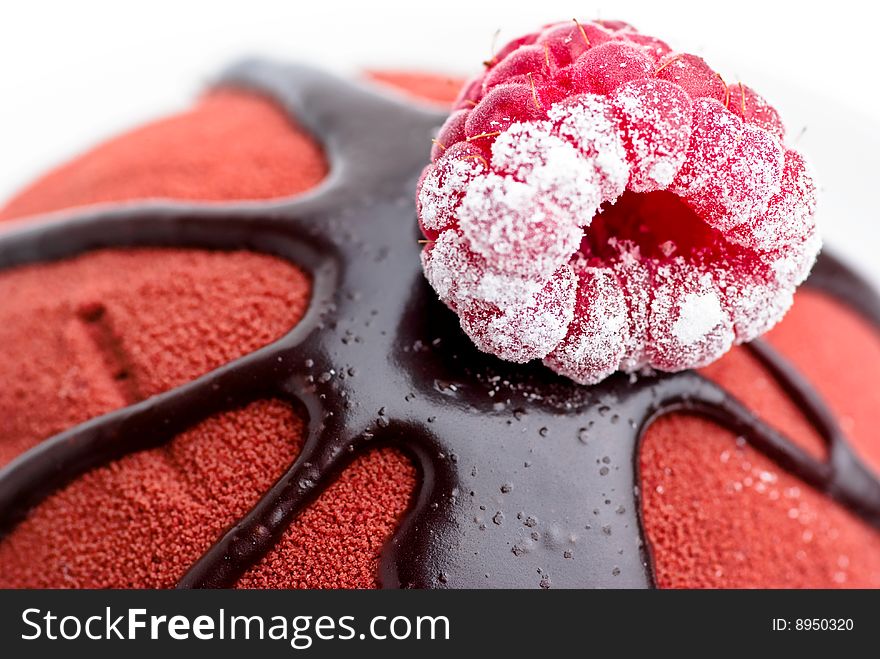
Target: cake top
(469,420)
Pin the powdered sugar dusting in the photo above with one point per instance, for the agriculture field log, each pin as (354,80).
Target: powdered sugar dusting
(591,124)
(513,317)
(635,280)
(698,315)
(519,229)
(462,277)
(657,124)
(687,319)
(528,329)
(442,189)
(789,213)
(597,337)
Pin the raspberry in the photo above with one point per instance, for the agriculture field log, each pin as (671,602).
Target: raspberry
(470,92)
(502,107)
(565,43)
(603,68)
(516,67)
(599,332)
(736,179)
(787,219)
(527,330)
(656,120)
(589,123)
(655,48)
(442,187)
(688,321)
(451,133)
(603,203)
(693,75)
(745,103)
(511,46)
(515,318)
(523,217)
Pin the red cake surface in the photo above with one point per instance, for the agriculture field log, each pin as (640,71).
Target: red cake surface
(120,325)
(719,514)
(438,89)
(229,146)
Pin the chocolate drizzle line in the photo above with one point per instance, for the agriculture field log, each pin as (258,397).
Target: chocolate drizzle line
(525,478)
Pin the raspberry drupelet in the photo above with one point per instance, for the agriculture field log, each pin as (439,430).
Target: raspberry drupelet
(602,203)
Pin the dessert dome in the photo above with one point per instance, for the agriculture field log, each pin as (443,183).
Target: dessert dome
(228,370)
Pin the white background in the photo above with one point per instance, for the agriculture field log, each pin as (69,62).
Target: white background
(72,73)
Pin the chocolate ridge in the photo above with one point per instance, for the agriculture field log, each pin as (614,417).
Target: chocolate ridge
(377,360)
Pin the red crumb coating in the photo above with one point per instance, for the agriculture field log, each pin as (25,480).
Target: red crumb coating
(119,326)
(231,145)
(337,541)
(441,89)
(142,521)
(720,514)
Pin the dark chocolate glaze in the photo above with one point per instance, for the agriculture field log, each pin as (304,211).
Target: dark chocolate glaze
(526,479)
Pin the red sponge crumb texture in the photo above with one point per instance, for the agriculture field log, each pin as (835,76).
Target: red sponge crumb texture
(120,326)
(97,341)
(440,89)
(230,146)
(719,514)
(337,541)
(143,520)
